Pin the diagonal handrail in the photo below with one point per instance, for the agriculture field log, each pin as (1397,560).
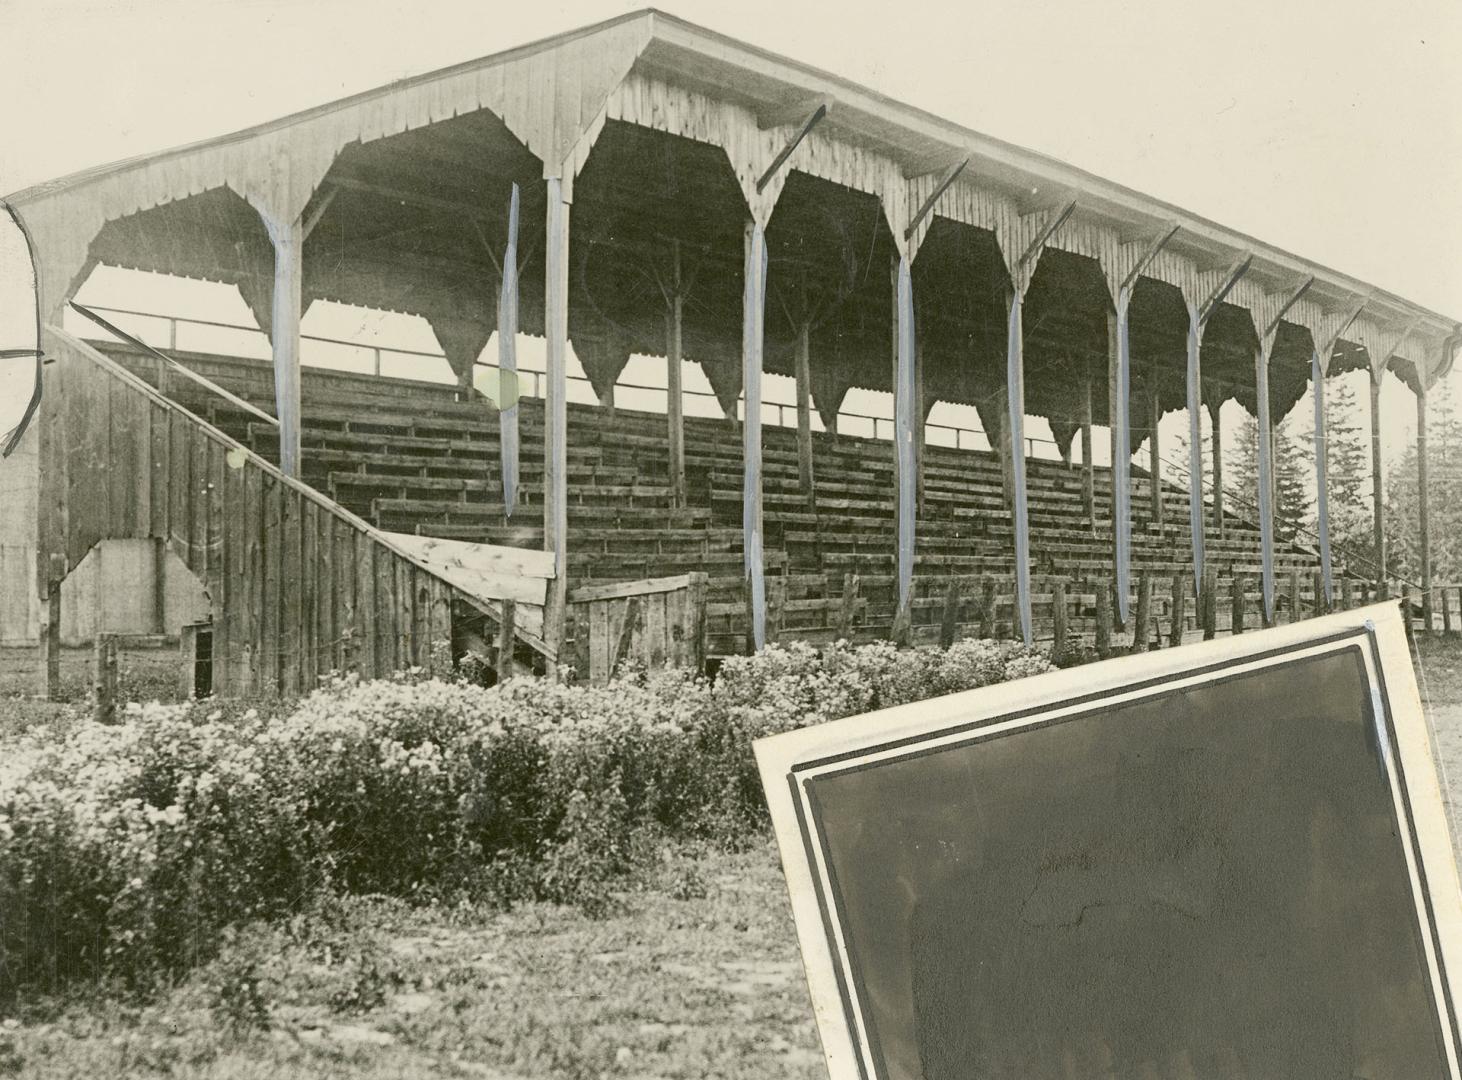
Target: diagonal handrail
(174,365)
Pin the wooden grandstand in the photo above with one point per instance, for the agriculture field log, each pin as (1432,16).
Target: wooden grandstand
(728,207)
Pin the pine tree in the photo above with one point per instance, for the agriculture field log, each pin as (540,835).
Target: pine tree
(1347,485)
(1444,482)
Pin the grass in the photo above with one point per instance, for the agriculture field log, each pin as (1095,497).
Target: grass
(696,976)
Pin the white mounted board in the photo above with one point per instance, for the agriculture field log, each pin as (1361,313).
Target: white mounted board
(1225,860)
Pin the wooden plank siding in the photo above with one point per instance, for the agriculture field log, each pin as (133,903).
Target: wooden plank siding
(291,576)
(656,622)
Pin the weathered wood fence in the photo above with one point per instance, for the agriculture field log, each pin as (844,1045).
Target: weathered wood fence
(298,586)
(656,622)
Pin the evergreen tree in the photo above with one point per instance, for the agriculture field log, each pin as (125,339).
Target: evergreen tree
(1289,462)
(1348,486)
(1444,482)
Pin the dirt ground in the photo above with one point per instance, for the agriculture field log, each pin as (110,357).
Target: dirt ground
(1439,674)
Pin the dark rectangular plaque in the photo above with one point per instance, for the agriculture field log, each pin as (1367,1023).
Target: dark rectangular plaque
(1226,860)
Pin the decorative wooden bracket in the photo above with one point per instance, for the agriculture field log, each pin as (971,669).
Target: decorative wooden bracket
(781,159)
(939,189)
(1137,255)
(1226,280)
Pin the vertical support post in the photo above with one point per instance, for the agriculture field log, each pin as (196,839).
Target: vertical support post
(1215,427)
(104,679)
(1322,482)
(1378,505)
(1154,448)
(289,244)
(1208,605)
(949,624)
(674,391)
(753,301)
(1195,444)
(1179,614)
(505,635)
(1103,618)
(905,481)
(1119,390)
(1015,424)
(1058,620)
(848,609)
(1423,510)
(1266,478)
(804,412)
(1088,467)
(507,360)
(1142,631)
(555,409)
(1237,624)
(55,574)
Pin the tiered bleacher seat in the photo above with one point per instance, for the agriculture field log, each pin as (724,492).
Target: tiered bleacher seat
(414,457)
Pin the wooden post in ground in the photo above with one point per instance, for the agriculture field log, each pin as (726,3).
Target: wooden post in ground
(505,636)
(753,309)
(849,605)
(1237,626)
(555,410)
(1215,427)
(1103,619)
(1423,510)
(1154,448)
(1179,619)
(1446,613)
(987,608)
(1142,631)
(1378,524)
(104,679)
(1347,594)
(675,394)
(1319,607)
(1209,604)
(949,624)
(288,238)
(1088,467)
(56,573)
(1058,620)
(804,413)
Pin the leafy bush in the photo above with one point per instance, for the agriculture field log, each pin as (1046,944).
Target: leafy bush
(125,849)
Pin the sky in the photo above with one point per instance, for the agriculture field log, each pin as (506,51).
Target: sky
(1330,128)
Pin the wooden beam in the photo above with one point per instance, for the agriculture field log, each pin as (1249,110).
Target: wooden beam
(939,189)
(1215,414)
(1266,476)
(1119,389)
(1326,585)
(1378,524)
(905,480)
(1194,386)
(324,200)
(507,358)
(1293,298)
(674,391)
(555,408)
(1015,422)
(1088,467)
(1423,510)
(288,239)
(1144,259)
(786,152)
(804,413)
(753,306)
(1154,452)
(1038,242)
(1225,286)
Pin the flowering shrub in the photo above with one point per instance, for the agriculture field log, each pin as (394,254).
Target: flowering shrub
(124,849)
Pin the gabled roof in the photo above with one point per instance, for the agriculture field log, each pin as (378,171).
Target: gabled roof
(276,165)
